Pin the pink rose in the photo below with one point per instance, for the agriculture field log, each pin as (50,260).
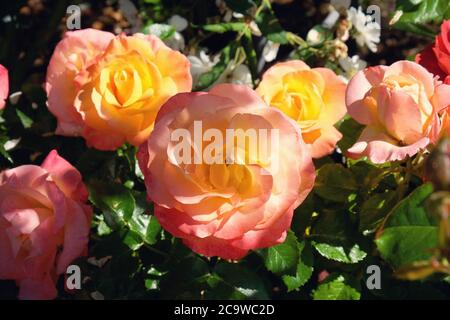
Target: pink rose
(400,107)
(237,203)
(4,86)
(44,224)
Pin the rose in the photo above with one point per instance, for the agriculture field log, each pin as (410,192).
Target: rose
(109,89)
(315,98)
(4,86)
(44,224)
(400,107)
(436,57)
(227,207)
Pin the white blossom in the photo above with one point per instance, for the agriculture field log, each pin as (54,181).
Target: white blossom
(201,64)
(237,74)
(367,31)
(11,144)
(240,75)
(352,65)
(14,97)
(178,22)
(331,19)
(313,37)
(270,51)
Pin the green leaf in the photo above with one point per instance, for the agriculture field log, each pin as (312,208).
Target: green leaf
(334,182)
(282,258)
(336,288)
(132,240)
(162,31)
(116,202)
(3,152)
(234,281)
(422,11)
(353,254)
(418,13)
(409,233)
(404,245)
(142,222)
(270,27)
(26,121)
(224,27)
(293,260)
(241,6)
(208,78)
(375,209)
(305,268)
(351,130)
(185,279)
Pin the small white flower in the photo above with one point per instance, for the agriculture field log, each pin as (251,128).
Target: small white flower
(239,75)
(201,64)
(178,22)
(397,15)
(176,41)
(255,29)
(331,19)
(352,65)
(313,37)
(270,51)
(367,31)
(11,144)
(14,97)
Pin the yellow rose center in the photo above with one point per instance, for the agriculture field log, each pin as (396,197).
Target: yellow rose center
(300,97)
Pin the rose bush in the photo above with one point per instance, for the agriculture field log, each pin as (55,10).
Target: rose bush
(224,209)
(44,224)
(109,89)
(325,177)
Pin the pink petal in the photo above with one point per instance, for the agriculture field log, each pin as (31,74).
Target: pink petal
(357,88)
(76,234)
(66,176)
(400,115)
(4,86)
(37,289)
(380,148)
(242,95)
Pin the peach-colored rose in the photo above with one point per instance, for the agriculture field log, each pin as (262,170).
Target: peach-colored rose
(44,224)
(314,98)
(4,86)
(109,89)
(225,208)
(400,107)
